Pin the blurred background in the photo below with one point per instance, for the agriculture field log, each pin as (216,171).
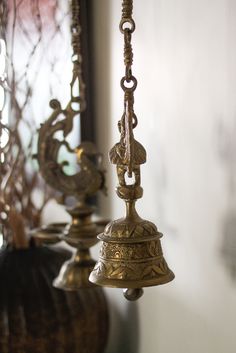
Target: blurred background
(185,63)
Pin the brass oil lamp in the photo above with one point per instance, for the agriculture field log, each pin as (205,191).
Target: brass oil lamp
(82,232)
(131,255)
(34,316)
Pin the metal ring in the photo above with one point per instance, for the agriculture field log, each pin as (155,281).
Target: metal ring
(129,21)
(128,89)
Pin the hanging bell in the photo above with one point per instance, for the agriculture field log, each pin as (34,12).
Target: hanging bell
(131,255)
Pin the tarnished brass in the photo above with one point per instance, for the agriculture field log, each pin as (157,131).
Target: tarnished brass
(131,255)
(81,233)
(50,234)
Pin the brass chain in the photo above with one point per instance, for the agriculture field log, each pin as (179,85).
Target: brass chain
(77,77)
(128,83)
(127,27)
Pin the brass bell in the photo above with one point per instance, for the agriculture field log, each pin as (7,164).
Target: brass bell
(131,256)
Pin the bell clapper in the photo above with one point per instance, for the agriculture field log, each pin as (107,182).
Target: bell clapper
(133,294)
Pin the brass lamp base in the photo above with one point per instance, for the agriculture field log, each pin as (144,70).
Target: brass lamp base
(80,234)
(74,273)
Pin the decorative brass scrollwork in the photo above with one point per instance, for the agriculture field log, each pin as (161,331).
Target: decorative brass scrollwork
(90,177)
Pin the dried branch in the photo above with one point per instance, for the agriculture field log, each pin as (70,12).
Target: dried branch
(18,178)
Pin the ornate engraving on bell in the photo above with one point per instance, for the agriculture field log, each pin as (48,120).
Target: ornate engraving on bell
(131,255)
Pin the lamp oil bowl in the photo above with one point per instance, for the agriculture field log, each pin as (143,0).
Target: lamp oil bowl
(48,234)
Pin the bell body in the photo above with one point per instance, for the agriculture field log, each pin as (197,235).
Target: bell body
(131,255)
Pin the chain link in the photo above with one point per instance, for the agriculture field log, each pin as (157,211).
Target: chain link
(128,83)
(127,27)
(77,77)
(127,9)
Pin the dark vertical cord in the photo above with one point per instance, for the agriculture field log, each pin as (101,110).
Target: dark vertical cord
(87,117)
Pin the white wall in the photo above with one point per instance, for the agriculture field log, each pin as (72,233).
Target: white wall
(185,62)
